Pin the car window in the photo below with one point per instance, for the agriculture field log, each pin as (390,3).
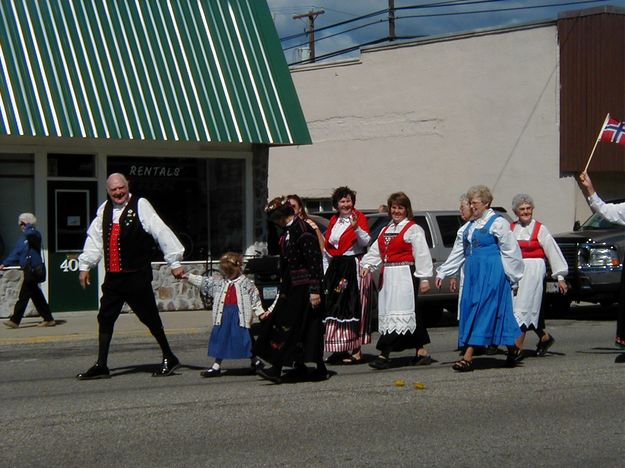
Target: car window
(596,221)
(377,223)
(449,225)
(375,226)
(322,223)
(421,221)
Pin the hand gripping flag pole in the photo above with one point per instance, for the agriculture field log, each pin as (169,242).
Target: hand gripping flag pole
(607,118)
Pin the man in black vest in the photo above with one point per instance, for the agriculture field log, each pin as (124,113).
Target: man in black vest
(124,231)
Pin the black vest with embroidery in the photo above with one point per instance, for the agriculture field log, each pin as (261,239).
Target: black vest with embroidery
(134,244)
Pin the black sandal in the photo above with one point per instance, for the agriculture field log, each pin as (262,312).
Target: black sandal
(462,366)
(336,358)
(543,346)
(351,359)
(380,363)
(515,355)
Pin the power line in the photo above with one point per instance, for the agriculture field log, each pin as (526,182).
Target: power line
(342,51)
(369,15)
(442,4)
(302,44)
(386,10)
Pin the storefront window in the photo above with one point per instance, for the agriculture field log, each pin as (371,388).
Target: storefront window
(71,165)
(17,190)
(202,200)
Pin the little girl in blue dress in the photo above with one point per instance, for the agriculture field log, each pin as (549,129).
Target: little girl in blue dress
(235,302)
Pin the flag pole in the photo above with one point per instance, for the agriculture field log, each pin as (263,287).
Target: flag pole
(607,117)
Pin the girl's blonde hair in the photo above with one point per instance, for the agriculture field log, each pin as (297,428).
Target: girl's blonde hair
(231,263)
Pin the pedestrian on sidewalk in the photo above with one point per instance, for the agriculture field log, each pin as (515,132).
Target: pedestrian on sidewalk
(124,232)
(235,302)
(27,254)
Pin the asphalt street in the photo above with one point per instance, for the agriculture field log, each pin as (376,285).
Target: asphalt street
(565,409)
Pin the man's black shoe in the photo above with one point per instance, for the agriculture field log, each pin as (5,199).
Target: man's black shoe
(297,374)
(96,371)
(272,374)
(257,364)
(168,366)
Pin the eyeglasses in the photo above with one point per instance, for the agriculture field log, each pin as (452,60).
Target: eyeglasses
(476,203)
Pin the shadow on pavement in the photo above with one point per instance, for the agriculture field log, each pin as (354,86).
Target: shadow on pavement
(586,311)
(146,369)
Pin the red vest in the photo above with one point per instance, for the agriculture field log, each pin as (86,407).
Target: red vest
(396,250)
(348,238)
(531,248)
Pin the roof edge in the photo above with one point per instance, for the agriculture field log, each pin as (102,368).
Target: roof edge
(607,9)
(460,35)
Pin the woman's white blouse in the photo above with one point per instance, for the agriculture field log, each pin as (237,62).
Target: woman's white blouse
(420,250)
(508,247)
(559,267)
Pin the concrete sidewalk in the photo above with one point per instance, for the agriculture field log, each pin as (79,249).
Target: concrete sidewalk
(75,326)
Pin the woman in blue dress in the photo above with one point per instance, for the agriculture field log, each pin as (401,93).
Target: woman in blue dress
(493,266)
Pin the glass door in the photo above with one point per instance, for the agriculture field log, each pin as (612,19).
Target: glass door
(71,207)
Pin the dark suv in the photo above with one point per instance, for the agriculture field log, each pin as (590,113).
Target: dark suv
(595,253)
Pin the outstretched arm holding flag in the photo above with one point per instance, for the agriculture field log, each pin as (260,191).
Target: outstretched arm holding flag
(614,212)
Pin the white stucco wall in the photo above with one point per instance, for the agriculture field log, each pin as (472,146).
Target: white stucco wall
(433,118)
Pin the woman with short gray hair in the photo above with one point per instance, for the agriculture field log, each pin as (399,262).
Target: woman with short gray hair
(521,199)
(537,246)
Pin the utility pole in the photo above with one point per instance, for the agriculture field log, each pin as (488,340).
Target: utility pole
(310,29)
(391,20)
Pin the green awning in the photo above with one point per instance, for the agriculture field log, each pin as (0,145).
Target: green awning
(189,70)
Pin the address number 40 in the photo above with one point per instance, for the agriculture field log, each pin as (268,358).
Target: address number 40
(70,264)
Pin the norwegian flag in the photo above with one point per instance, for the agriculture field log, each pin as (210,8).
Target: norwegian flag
(614,132)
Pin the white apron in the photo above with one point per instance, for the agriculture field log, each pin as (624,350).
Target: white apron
(396,305)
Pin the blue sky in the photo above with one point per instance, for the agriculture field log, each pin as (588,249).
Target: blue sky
(425,18)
